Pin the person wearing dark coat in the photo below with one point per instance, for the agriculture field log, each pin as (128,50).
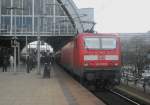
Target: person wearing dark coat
(47,67)
(5,63)
(29,64)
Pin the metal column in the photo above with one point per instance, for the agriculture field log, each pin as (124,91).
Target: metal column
(18,56)
(59,29)
(44,16)
(22,18)
(26,47)
(0,15)
(15,44)
(11,20)
(15,58)
(21,29)
(38,44)
(54,17)
(32,17)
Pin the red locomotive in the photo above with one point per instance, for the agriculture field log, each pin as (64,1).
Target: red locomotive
(95,58)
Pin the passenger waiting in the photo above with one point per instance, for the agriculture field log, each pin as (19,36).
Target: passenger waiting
(5,63)
(11,60)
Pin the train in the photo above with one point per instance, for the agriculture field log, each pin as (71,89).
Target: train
(94,58)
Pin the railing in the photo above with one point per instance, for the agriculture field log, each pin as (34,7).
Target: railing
(36,34)
(131,80)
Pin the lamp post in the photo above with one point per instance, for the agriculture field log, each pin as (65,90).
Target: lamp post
(39,37)
(14,41)
(38,45)
(14,44)
(0,16)
(14,38)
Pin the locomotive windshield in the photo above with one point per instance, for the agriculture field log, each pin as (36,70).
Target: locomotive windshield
(100,43)
(92,43)
(108,43)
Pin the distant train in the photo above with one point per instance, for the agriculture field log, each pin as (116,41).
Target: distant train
(94,58)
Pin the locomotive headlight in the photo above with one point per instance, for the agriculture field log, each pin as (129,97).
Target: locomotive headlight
(116,64)
(111,57)
(86,64)
(90,57)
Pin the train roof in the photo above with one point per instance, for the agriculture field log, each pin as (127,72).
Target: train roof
(98,34)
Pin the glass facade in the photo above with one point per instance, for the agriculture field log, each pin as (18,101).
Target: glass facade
(22,16)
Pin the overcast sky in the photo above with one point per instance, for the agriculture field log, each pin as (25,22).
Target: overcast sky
(119,15)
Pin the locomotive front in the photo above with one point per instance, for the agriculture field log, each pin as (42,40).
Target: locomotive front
(101,58)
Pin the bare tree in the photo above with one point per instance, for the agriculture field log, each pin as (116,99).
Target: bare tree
(135,53)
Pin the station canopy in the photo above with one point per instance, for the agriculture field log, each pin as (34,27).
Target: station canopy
(44,17)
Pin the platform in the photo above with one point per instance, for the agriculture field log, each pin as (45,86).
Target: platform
(31,89)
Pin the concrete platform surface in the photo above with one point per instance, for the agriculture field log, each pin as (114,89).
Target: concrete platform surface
(32,89)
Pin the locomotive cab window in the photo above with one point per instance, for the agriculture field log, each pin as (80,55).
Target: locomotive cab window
(92,43)
(100,43)
(108,43)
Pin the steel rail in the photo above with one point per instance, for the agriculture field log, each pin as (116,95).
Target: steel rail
(126,98)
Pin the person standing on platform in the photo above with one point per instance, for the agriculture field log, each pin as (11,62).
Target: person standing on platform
(46,73)
(5,64)
(28,62)
(11,60)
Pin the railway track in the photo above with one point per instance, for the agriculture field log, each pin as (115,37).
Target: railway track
(115,97)
(111,97)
